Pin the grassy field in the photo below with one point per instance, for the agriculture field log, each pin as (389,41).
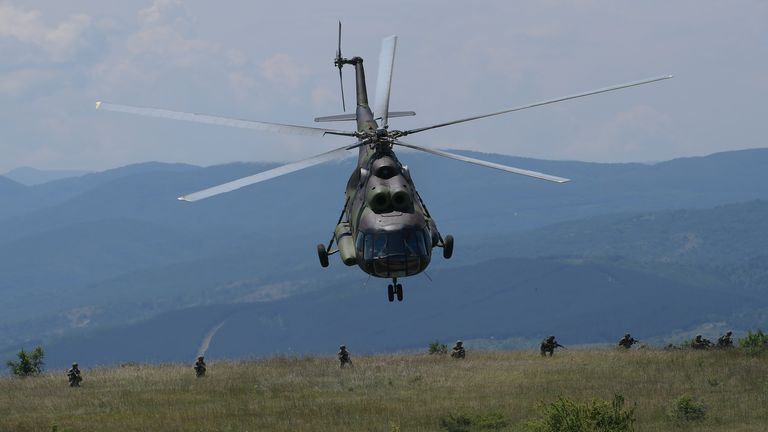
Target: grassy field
(387,392)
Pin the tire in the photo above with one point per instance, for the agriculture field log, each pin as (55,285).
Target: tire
(399,292)
(322,254)
(390,293)
(448,247)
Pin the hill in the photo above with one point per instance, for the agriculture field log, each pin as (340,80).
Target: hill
(581,301)
(391,392)
(31,176)
(726,234)
(110,250)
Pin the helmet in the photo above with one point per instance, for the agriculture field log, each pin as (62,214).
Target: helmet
(698,337)
(729,333)
(200,357)
(627,336)
(343,347)
(551,338)
(74,364)
(458,342)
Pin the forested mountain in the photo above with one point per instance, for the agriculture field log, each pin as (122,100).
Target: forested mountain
(113,249)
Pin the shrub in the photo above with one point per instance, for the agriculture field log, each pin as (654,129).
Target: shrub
(565,415)
(686,409)
(438,348)
(473,422)
(29,363)
(754,343)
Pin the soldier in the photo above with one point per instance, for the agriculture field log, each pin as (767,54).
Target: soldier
(458,350)
(74,376)
(700,343)
(548,345)
(725,341)
(200,367)
(343,356)
(627,341)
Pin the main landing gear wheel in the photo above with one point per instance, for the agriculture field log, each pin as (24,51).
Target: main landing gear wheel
(395,290)
(448,247)
(322,254)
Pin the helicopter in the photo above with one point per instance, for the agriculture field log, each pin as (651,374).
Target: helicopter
(384,227)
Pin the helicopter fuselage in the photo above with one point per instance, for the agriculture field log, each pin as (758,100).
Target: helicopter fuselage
(385,228)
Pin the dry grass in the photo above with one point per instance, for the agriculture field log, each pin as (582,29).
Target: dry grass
(410,391)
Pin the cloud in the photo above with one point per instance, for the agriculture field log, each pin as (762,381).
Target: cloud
(283,70)
(322,97)
(27,26)
(627,135)
(159,11)
(17,82)
(160,46)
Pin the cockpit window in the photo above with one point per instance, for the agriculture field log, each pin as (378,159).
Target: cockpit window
(380,243)
(360,242)
(395,243)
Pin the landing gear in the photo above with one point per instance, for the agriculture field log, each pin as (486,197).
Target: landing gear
(395,290)
(322,254)
(448,247)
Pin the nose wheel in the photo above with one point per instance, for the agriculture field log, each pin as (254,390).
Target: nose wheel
(395,290)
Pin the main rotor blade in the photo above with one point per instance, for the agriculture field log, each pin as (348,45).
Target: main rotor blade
(221,121)
(546,102)
(384,79)
(486,164)
(269,174)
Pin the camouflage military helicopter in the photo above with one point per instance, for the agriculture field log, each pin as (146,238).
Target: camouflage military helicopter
(384,226)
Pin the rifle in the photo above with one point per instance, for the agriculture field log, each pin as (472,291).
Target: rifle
(557,345)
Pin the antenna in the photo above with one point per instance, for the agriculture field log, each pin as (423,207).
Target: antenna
(339,63)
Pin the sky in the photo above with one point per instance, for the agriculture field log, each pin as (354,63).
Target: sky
(273,61)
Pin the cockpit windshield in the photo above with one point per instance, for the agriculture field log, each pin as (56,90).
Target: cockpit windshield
(406,242)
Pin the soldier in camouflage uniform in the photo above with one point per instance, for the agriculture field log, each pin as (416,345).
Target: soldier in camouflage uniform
(74,377)
(200,367)
(627,341)
(725,340)
(700,343)
(548,345)
(458,350)
(343,355)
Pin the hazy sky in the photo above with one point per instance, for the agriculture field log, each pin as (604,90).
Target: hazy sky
(272,61)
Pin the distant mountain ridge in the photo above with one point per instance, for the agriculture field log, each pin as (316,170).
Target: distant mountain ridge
(581,301)
(108,249)
(31,176)
(725,234)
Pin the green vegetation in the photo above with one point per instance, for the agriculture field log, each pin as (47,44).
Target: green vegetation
(437,348)
(507,391)
(29,363)
(464,422)
(687,409)
(754,343)
(565,415)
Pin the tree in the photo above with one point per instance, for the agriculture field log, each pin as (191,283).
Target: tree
(29,363)
(754,343)
(437,348)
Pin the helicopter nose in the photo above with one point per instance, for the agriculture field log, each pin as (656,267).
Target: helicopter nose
(399,265)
